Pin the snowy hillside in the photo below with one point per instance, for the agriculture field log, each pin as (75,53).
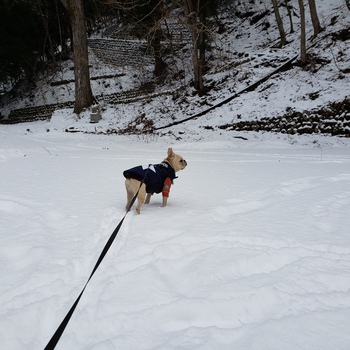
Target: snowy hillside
(242,55)
(252,251)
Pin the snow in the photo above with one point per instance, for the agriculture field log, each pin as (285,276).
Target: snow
(251,252)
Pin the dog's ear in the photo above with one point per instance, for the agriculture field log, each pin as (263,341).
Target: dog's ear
(171,153)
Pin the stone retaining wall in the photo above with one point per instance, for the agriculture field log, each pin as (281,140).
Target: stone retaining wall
(332,120)
(121,52)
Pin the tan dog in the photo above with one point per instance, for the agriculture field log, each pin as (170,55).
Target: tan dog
(156,178)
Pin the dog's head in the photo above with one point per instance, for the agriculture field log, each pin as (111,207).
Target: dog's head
(175,160)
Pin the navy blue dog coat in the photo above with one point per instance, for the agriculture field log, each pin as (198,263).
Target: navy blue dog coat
(154,175)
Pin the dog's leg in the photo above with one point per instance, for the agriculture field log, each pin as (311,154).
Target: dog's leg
(129,193)
(132,186)
(141,198)
(148,198)
(165,200)
(166,190)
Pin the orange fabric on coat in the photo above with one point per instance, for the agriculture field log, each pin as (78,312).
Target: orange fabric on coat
(166,187)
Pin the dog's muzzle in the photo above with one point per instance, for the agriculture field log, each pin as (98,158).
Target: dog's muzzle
(182,161)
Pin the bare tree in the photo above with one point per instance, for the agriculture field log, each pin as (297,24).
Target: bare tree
(149,15)
(302,33)
(155,18)
(289,16)
(192,20)
(197,14)
(314,18)
(83,92)
(279,23)
(146,18)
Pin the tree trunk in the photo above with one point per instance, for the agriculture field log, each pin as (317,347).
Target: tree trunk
(83,93)
(279,23)
(159,64)
(289,16)
(302,33)
(314,18)
(202,62)
(196,29)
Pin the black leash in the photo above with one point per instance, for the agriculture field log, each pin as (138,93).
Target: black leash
(56,337)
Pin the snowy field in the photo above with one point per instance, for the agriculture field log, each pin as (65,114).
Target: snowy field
(252,251)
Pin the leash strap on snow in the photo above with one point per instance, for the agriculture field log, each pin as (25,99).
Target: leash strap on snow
(56,337)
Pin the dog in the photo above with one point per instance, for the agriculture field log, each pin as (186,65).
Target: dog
(156,178)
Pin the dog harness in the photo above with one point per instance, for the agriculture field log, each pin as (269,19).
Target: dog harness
(157,177)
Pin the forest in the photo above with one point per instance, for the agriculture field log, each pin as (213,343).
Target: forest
(39,34)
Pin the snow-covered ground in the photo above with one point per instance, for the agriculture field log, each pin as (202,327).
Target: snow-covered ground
(252,251)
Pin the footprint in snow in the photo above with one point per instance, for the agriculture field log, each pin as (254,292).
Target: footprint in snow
(225,214)
(292,188)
